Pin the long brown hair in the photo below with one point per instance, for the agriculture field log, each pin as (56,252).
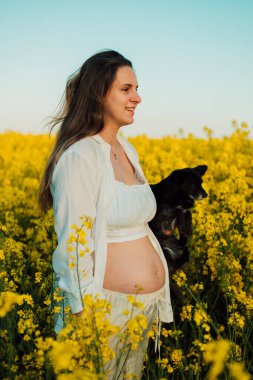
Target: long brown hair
(81,113)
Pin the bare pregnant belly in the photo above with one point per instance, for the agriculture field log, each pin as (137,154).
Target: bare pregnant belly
(131,263)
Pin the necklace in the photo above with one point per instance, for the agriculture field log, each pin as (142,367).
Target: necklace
(116,158)
(114,153)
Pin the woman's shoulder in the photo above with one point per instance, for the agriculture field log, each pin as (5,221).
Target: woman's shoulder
(82,153)
(86,149)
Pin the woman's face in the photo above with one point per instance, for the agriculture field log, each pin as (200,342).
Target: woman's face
(122,98)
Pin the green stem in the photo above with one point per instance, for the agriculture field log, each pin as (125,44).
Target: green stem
(77,267)
(199,304)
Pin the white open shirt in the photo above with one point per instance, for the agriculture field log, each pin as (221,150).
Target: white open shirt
(82,184)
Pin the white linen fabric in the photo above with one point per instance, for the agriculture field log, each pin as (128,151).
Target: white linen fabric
(82,184)
(131,208)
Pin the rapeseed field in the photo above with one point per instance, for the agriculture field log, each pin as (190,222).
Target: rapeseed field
(211,337)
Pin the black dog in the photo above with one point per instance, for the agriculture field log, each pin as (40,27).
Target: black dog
(175,195)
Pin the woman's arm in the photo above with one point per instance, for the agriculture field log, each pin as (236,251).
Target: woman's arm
(74,188)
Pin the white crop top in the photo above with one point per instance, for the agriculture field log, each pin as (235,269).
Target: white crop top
(132,207)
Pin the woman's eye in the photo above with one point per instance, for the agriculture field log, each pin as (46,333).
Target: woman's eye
(125,89)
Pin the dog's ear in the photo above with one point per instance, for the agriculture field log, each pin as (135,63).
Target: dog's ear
(200,169)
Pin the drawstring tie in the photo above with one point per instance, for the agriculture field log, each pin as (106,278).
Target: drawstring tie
(158,304)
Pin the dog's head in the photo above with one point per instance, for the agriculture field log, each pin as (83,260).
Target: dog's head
(174,195)
(186,182)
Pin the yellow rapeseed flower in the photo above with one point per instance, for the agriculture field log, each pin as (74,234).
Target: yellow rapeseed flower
(200,316)
(38,277)
(134,302)
(217,354)
(186,313)
(2,256)
(176,356)
(238,372)
(236,320)
(80,374)
(7,300)
(61,356)
(180,278)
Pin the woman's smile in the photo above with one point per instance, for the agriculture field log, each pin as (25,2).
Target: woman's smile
(130,110)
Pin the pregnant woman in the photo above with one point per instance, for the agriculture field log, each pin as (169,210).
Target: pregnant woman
(94,171)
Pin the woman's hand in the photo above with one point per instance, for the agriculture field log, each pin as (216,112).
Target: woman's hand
(79,314)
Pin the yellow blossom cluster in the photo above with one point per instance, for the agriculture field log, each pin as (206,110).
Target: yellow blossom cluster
(77,244)
(217,353)
(7,300)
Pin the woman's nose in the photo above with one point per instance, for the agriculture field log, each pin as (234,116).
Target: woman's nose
(136,98)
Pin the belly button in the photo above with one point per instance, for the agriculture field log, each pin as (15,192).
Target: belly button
(160,271)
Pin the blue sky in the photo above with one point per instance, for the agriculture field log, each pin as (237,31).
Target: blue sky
(193,60)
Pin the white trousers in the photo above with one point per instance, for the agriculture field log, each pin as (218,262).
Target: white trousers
(132,364)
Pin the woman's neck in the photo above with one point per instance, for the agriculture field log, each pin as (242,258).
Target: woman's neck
(109,135)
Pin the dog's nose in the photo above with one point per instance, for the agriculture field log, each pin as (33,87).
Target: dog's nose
(203,194)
